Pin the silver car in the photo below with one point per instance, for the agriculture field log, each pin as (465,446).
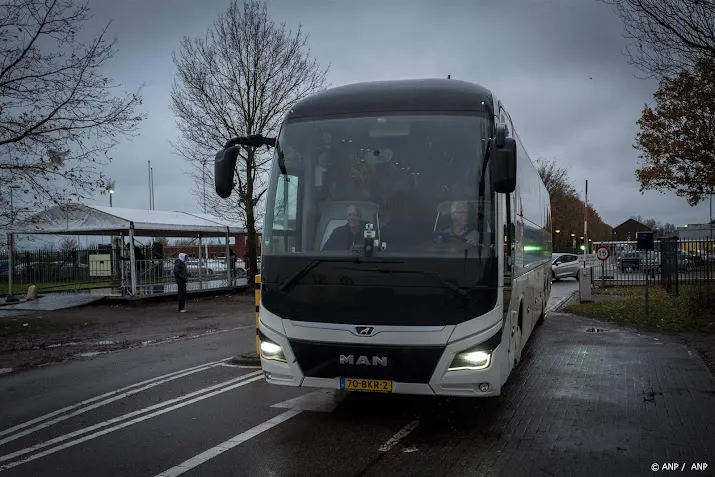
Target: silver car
(564,265)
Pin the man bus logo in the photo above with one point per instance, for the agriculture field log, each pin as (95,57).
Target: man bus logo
(364,330)
(362,360)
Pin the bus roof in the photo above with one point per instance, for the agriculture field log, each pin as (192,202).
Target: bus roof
(395,96)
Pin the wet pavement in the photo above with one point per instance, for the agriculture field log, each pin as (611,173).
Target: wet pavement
(583,403)
(49,302)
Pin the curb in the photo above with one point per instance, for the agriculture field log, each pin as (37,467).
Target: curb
(564,302)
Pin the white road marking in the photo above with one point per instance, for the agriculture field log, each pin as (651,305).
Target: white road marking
(229,444)
(162,378)
(174,339)
(394,440)
(321,401)
(119,426)
(225,386)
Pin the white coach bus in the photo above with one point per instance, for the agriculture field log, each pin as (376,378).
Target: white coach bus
(406,242)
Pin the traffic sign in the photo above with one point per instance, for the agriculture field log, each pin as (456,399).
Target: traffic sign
(602,253)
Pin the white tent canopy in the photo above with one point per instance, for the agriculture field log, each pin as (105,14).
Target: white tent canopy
(80,219)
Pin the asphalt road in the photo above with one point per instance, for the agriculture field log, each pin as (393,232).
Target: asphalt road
(580,403)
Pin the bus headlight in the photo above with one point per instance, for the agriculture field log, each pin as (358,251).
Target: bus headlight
(471,360)
(270,350)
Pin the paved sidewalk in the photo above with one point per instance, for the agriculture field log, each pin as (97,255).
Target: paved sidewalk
(581,404)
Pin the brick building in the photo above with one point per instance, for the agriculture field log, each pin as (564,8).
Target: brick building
(628,230)
(213,250)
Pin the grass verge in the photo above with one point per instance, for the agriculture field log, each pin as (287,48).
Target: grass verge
(692,310)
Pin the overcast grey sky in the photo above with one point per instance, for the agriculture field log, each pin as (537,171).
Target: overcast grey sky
(537,55)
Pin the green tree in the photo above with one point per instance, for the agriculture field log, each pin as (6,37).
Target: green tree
(567,208)
(677,136)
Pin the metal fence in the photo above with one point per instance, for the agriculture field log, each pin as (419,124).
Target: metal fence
(107,269)
(671,263)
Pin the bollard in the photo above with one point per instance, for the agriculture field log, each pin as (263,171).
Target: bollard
(258,306)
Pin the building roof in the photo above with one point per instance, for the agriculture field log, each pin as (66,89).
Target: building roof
(393,96)
(80,219)
(631,222)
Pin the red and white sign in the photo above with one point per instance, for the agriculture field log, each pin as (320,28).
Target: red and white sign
(602,253)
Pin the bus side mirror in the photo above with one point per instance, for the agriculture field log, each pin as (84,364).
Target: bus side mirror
(503,162)
(224,168)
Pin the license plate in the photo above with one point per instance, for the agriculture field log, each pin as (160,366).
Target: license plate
(374,385)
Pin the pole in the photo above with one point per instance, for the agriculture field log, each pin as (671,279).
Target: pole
(151,177)
(230,270)
(110,199)
(603,274)
(132,261)
(646,293)
(711,216)
(201,268)
(11,298)
(149,172)
(585,224)
(204,181)
(257,280)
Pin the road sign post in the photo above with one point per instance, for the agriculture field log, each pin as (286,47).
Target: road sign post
(602,253)
(645,241)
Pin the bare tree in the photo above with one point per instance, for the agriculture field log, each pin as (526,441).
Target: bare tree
(665,36)
(556,178)
(68,243)
(239,79)
(59,115)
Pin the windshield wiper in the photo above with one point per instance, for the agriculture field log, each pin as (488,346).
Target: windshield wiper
(450,286)
(300,274)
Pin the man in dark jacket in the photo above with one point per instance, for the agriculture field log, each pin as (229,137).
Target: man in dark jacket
(352,233)
(182,277)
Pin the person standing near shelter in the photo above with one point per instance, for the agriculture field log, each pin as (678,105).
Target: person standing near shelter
(182,277)
(234,260)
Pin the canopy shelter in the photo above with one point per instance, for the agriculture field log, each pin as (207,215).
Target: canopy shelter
(80,219)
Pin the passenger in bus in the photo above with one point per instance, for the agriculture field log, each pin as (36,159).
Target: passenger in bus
(459,215)
(349,234)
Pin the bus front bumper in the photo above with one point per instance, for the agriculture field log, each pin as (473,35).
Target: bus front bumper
(485,382)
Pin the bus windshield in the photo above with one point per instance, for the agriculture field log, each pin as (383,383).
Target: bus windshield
(415,184)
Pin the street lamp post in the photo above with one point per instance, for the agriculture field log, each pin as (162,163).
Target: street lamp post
(558,238)
(110,191)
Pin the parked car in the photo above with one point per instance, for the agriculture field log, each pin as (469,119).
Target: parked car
(630,261)
(564,265)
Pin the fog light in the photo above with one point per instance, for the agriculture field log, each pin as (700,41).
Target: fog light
(272,351)
(484,387)
(471,360)
(268,375)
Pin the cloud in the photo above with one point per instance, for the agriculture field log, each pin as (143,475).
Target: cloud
(557,64)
